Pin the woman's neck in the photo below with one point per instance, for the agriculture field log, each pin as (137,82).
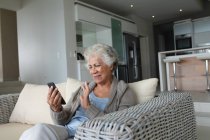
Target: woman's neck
(103,89)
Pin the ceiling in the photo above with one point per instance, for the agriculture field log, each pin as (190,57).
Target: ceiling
(161,9)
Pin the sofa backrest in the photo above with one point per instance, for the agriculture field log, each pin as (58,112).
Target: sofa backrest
(32,107)
(144,89)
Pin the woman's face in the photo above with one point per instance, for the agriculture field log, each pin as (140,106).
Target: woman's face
(100,71)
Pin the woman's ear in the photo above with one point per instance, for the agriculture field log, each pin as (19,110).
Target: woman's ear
(112,67)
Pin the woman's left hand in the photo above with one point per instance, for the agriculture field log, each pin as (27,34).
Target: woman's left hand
(84,99)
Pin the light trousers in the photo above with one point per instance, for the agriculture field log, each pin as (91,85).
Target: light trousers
(44,131)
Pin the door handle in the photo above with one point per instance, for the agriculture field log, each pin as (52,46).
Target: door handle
(136,73)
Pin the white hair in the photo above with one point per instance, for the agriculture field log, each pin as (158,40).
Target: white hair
(107,53)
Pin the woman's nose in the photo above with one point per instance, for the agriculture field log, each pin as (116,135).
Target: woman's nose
(92,70)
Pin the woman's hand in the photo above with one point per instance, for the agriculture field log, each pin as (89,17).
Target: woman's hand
(84,99)
(54,99)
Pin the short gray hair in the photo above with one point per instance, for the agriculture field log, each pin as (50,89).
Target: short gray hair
(107,53)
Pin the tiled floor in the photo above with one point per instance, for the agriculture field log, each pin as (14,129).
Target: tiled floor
(200,96)
(203,132)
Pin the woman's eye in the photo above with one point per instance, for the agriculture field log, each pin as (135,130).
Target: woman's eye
(97,65)
(89,68)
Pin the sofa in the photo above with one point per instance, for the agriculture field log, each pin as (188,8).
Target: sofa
(167,115)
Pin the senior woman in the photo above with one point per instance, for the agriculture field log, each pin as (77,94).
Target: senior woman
(103,95)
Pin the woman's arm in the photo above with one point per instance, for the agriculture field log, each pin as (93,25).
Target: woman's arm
(61,117)
(64,116)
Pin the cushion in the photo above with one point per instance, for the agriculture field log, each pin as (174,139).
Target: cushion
(32,107)
(144,89)
(12,131)
(71,86)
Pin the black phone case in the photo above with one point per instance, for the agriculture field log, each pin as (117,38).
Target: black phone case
(52,84)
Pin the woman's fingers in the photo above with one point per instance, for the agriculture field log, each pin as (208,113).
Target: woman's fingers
(84,99)
(54,93)
(81,100)
(50,90)
(86,89)
(57,99)
(54,99)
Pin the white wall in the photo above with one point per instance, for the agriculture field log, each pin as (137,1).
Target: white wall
(10,4)
(47,41)
(70,38)
(43,41)
(1,56)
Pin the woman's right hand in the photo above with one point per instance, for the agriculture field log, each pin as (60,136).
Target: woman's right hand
(54,99)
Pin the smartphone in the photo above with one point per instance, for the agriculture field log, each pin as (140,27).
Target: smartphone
(52,84)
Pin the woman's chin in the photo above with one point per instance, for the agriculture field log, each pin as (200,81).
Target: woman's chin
(97,80)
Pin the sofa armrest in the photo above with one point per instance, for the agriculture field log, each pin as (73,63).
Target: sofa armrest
(169,116)
(7,104)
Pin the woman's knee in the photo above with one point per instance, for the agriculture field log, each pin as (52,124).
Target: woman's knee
(40,128)
(34,132)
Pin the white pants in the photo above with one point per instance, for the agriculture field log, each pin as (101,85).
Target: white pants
(45,132)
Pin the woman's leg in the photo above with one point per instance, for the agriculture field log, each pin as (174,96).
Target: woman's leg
(45,132)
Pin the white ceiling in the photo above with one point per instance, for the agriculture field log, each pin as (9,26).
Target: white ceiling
(161,9)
